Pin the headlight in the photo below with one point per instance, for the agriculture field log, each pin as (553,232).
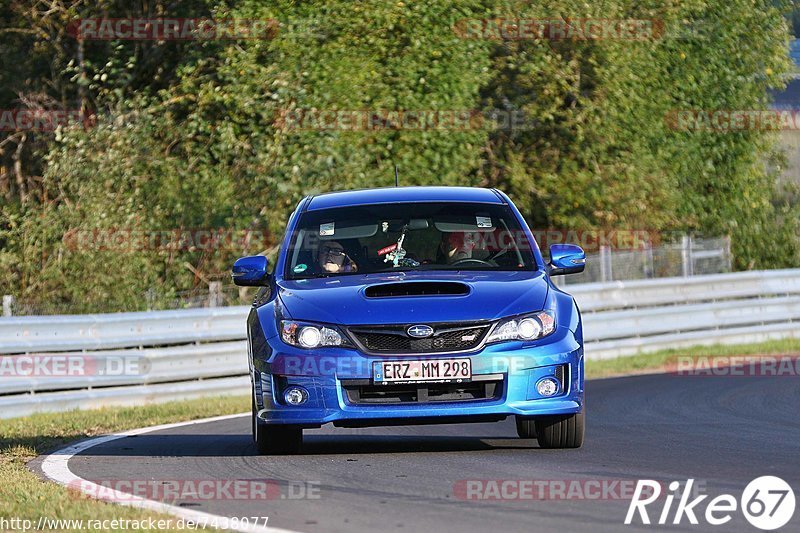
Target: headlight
(308,335)
(524,328)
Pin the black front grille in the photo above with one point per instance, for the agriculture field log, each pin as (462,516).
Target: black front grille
(457,337)
(561,373)
(422,393)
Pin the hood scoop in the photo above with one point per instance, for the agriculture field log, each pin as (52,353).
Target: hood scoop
(417,288)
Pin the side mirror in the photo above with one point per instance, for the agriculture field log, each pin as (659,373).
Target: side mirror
(566,259)
(251,271)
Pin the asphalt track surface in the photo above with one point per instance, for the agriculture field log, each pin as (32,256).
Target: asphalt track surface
(721,431)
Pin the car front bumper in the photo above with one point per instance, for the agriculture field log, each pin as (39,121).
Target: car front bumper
(515,366)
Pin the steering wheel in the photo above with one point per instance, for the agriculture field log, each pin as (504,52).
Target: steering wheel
(468,260)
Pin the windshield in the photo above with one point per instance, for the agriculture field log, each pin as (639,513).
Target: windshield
(407,236)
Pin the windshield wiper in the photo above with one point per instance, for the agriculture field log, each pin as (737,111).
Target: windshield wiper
(434,266)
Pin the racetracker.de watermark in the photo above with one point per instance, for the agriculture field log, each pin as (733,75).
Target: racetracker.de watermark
(591,240)
(72,365)
(559,29)
(594,239)
(545,489)
(736,366)
(182,239)
(172,490)
(356,366)
(402,120)
(171,29)
(732,120)
(43,119)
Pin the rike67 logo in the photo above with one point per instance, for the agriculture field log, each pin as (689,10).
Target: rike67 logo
(767,503)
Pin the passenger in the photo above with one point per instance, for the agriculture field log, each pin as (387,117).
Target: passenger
(332,258)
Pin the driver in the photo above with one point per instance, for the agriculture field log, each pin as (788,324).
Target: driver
(332,258)
(457,246)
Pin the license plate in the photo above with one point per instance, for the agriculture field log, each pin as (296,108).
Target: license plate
(434,370)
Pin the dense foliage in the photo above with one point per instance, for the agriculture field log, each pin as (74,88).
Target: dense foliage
(189,134)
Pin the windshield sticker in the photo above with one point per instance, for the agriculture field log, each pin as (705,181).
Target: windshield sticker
(484,222)
(326,229)
(300,268)
(390,248)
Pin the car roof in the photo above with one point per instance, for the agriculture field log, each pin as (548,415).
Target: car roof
(391,195)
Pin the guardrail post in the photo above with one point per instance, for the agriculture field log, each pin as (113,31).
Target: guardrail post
(686,256)
(215,294)
(649,261)
(150,298)
(727,252)
(606,270)
(8,305)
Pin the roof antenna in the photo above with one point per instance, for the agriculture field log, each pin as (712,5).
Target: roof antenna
(396,177)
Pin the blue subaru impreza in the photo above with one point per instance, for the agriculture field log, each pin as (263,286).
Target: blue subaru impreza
(413,305)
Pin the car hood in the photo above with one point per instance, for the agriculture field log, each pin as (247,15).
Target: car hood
(342,300)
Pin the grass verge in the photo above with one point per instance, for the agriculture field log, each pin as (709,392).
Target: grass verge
(23,495)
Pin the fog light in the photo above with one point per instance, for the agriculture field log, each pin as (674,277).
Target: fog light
(547,386)
(295,395)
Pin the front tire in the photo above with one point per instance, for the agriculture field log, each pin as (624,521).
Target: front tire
(526,427)
(275,439)
(560,431)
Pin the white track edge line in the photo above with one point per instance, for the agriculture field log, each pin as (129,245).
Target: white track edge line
(56,468)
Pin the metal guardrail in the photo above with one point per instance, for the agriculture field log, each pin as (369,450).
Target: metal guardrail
(676,291)
(138,367)
(201,352)
(28,404)
(119,330)
(630,317)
